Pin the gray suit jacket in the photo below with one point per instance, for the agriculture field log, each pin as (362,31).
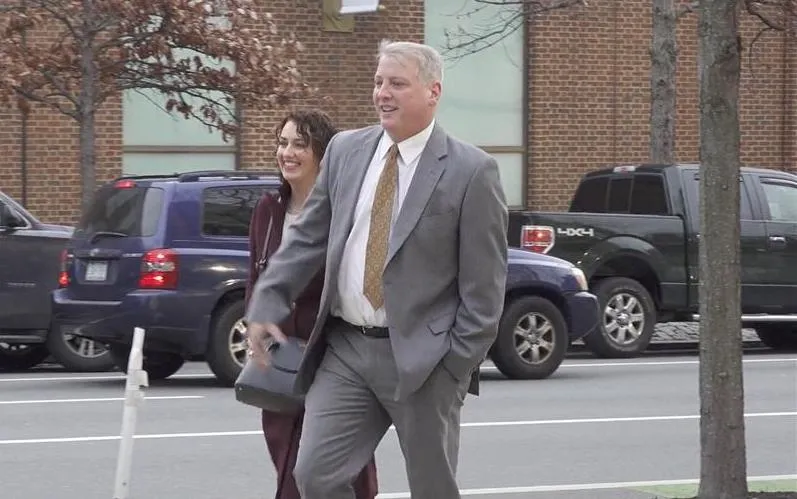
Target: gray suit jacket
(445,277)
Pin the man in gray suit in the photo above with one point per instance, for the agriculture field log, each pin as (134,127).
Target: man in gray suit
(411,224)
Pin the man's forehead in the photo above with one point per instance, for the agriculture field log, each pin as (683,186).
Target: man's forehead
(390,65)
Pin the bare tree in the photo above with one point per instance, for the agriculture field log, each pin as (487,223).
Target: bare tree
(723,469)
(509,17)
(201,56)
(663,65)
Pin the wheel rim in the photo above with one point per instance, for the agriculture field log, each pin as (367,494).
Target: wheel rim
(84,347)
(237,342)
(534,338)
(623,319)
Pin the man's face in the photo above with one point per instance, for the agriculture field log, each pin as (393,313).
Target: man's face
(405,104)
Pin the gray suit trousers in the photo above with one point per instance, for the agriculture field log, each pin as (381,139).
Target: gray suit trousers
(351,405)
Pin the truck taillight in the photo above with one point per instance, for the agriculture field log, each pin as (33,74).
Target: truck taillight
(63,272)
(158,270)
(537,238)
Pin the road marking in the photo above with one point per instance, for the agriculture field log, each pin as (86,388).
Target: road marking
(583,487)
(657,363)
(103,399)
(483,424)
(485,368)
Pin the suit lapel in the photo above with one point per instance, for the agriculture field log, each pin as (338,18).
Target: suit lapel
(354,174)
(430,168)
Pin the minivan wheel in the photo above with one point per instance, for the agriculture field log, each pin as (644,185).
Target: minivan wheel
(78,354)
(532,339)
(16,357)
(159,365)
(226,353)
(628,319)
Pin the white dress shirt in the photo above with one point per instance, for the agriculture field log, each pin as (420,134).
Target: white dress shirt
(352,305)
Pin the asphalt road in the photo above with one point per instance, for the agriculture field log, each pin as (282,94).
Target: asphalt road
(596,429)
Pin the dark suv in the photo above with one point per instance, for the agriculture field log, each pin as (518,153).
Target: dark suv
(171,255)
(168,254)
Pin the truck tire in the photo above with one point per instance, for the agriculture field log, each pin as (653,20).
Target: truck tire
(159,365)
(16,357)
(532,339)
(227,346)
(78,354)
(778,337)
(628,319)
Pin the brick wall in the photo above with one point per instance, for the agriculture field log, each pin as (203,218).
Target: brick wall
(590,102)
(588,87)
(341,64)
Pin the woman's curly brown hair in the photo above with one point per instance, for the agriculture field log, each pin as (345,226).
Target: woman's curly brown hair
(313,125)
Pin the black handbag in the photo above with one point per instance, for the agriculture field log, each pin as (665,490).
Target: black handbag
(273,388)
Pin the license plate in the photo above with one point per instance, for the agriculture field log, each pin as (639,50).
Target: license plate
(97,271)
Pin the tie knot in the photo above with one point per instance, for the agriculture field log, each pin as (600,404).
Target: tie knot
(393,152)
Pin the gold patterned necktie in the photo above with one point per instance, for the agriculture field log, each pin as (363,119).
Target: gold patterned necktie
(379,231)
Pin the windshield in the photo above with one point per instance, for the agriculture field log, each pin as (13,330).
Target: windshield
(132,211)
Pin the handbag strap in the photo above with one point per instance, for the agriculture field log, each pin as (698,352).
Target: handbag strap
(261,263)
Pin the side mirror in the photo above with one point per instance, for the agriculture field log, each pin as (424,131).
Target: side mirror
(9,219)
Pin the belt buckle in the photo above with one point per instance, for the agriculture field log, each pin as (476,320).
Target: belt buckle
(363,330)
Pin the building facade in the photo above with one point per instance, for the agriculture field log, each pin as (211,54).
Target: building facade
(553,99)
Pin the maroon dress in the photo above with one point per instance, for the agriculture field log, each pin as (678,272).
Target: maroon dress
(282,431)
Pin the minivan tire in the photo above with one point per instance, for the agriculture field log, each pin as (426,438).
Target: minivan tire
(504,352)
(158,365)
(71,360)
(599,340)
(14,357)
(219,356)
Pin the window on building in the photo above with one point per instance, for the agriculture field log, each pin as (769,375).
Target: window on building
(482,100)
(156,142)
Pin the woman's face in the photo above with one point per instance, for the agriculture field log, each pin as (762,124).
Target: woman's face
(295,156)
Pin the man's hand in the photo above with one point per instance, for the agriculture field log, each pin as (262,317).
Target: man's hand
(260,337)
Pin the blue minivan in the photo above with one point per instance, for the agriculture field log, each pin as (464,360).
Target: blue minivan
(170,254)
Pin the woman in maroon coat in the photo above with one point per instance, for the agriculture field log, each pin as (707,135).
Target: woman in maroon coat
(302,138)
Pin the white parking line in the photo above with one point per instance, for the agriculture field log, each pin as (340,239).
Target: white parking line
(103,399)
(491,368)
(584,487)
(482,424)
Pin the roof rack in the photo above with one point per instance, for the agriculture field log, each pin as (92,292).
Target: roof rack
(225,174)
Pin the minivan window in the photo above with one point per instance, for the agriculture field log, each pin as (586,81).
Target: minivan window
(133,211)
(228,210)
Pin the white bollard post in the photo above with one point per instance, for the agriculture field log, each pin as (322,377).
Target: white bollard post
(134,396)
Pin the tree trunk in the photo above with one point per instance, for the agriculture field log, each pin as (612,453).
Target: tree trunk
(663,59)
(86,110)
(723,467)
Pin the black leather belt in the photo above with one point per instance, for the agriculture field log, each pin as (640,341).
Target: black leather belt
(372,331)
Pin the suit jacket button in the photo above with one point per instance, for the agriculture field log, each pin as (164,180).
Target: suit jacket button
(293,306)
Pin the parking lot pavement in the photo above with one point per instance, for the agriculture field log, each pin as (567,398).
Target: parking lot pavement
(595,430)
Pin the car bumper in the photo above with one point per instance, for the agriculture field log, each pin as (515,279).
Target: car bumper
(169,319)
(583,314)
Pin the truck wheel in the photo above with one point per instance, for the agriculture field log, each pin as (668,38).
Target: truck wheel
(21,357)
(78,354)
(628,319)
(532,339)
(778,337)
(159,365)
(227,345)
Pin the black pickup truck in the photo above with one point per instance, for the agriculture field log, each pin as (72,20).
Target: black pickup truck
(634,231)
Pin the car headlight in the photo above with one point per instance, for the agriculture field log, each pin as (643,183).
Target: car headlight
(581,279)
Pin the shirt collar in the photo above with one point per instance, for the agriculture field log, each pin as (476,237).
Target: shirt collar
(410,148)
